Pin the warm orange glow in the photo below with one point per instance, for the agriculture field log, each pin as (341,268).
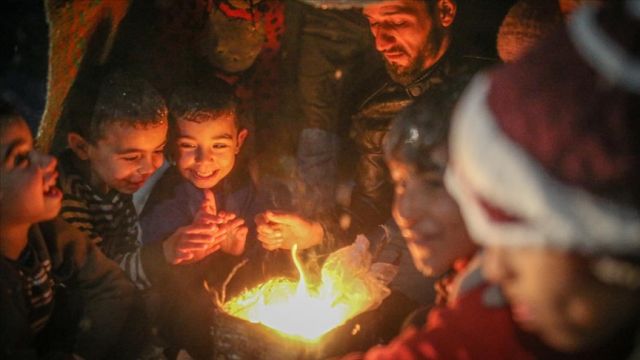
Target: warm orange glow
(306,312)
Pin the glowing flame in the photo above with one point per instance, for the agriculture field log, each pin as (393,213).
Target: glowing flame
(305,312)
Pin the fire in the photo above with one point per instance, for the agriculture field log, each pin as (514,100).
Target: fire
(349,285)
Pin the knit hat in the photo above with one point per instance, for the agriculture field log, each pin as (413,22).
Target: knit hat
(526,22)
(546,151)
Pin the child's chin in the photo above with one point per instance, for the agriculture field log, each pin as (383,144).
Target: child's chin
(204,184)
(50,213)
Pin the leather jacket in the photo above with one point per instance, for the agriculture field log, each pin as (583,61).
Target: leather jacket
(373,192)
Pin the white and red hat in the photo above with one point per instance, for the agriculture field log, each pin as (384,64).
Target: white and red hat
(546,151)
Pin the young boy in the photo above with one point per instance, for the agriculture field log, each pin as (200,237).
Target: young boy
(206,138)
(40,256)
(546,170)
(111,155)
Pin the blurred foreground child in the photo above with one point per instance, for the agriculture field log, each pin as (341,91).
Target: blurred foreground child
(546,169)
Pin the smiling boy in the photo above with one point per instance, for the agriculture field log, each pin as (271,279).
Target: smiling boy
(111,155)
(206,138)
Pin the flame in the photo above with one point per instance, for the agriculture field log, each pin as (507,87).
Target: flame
(306,312)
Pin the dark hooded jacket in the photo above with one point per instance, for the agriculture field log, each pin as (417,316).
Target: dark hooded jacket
(373,193)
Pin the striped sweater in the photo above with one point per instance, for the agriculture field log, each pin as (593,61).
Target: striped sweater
(110,219)
(34,269)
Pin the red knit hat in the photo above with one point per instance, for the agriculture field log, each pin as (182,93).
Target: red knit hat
(546,151)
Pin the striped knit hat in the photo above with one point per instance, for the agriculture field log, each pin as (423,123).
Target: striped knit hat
(546,151)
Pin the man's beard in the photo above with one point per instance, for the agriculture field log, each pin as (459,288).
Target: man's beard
(405,75)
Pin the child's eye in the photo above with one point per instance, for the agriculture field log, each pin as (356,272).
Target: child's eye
(131,158)
(186,146)
(22,159)
(220,146)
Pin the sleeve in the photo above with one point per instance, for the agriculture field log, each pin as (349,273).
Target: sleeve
(105,292)
(467,329)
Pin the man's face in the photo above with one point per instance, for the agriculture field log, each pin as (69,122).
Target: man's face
(553,293)
(206,150)
(27,179)
(126,156)
(428,217)
(407,35)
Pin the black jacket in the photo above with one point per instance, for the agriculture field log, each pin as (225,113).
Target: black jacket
(373,193)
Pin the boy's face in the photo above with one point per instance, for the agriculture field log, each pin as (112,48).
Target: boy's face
(428,217)
(554,294)
(27,179)
(125,156)
(206,151)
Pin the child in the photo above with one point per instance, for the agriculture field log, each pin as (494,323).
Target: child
(111,155)
(431,223)
(41,256)
(546,170)
(204,185)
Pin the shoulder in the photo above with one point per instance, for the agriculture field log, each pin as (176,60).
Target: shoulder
(63,243)
(239,191)
(463,67)
(384,103)
(171,190)
(472,280)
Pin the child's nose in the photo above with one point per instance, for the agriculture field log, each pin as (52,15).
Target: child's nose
(204,154)
(147,166)
(44,161)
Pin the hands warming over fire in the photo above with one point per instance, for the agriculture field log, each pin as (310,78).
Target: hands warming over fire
(210,231)
(279,230)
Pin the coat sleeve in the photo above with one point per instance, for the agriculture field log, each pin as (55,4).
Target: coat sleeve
(105,292)
(466,329)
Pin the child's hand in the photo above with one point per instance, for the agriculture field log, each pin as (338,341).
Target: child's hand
(235,234)
(231,233)
(191,243)
(283,230)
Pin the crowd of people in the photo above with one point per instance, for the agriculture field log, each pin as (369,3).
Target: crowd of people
(511,186)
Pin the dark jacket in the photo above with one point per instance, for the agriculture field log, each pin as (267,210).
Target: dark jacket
(174,202)
(96,284)
(373,193)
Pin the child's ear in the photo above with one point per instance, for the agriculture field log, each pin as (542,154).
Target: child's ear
(78,145)
(242,136)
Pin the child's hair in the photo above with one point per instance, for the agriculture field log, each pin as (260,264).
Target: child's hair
(201,101)
(419,128)
(122,98)
(8,115)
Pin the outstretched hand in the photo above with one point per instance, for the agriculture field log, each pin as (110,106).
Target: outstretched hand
(280,230)
(210,231)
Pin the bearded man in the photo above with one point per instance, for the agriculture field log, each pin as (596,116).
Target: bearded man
(415,39)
